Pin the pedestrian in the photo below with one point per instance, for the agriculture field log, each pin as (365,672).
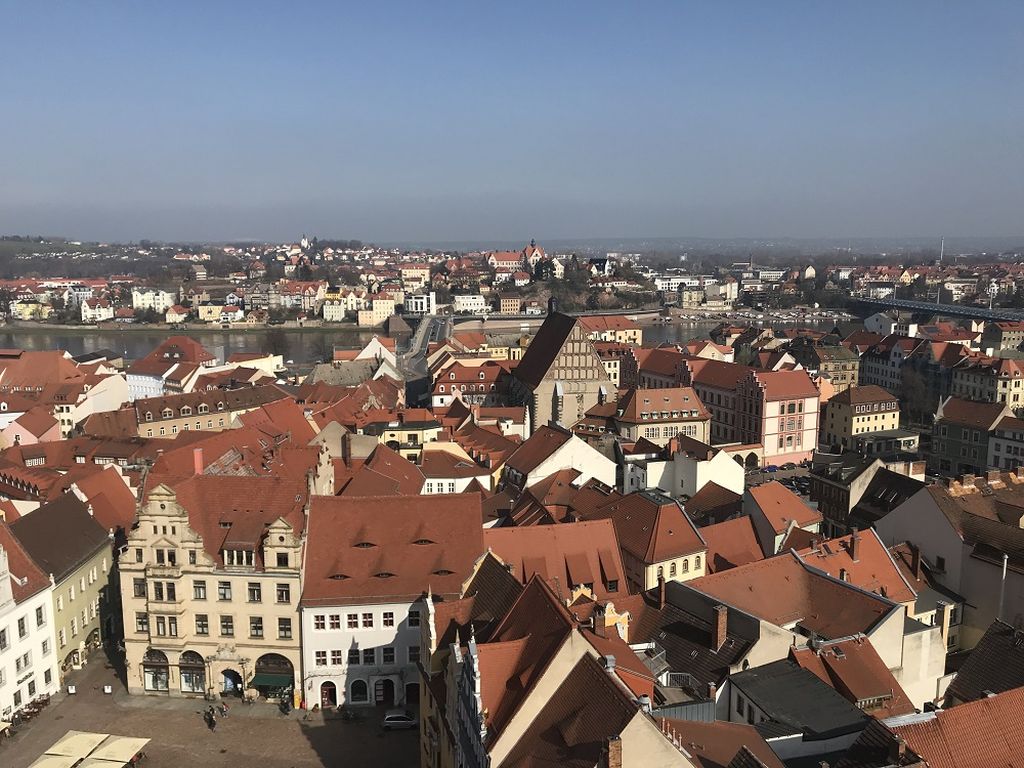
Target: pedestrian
(223,709)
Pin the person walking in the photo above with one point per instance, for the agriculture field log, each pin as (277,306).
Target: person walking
(223,709)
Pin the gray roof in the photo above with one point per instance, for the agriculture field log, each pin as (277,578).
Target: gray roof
(350,373)
(60,536)
(795,697)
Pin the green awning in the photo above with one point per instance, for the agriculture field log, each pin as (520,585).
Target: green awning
(268,680)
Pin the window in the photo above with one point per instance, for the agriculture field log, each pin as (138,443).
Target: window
(940,563)
(335,621)
(138,589)
(369,656)
(414,654)
(22,627)
(284,629)
(336,657)
(353,621)
(686,566)
(171,591)
(47,677)
(414,618)
(367,621)
(284,593)
(227,626)
(319,621)
(255,593)
(224,590)
(141,625)
(740,706)
(388,656)
(282,559)
(256,626)
(3,640)
(671,569)
(359,692)
(199,590)
(202,624)
(321,658)
(389,619)
(138,555)
(353,656)
(191,557)
(696,563)
(613,585)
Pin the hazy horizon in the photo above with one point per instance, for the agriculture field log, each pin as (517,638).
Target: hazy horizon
(399,123)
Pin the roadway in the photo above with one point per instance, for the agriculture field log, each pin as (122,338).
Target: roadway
(947,310)
(430,329)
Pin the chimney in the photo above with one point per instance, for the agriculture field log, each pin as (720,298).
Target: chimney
(855,546)
(661,593)
(712,691)
(609,663)
(719,627)
(897,750)
(197,460)
(967,481)
(993,476)
(915,560)
(613,752)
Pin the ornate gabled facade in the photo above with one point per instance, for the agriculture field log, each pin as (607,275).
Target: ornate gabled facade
(210,588)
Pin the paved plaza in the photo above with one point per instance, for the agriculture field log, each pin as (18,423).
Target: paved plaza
(251,736)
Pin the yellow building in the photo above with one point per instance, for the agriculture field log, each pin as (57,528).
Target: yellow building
(856,412)
(79,562)
(380,310)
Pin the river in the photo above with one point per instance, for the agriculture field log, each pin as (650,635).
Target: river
(304,346)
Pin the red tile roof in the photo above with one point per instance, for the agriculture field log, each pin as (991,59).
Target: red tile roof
(783,590)
(731,543)
(27,578)
(564,555)
(854,668)
(540,446)
(385,473)
(651,527)
(667,404)
(873,570)
(781,506)
(364,550)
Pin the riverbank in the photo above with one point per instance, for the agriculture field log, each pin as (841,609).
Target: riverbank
(189,329)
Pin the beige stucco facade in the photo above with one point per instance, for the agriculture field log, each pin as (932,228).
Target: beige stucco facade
(237,621)
(80,603)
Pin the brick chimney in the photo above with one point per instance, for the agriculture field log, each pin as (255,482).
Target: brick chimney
(719,627)
(197,461)
(897,750)
(915,561)
(855,546)
(661,592)
(613,752)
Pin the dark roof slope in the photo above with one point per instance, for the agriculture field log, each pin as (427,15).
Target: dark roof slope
(793,696)
(61,535)
(544,348)
(996,664)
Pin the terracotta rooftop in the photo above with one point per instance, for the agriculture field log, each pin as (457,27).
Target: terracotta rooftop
(364,550)
(785,591)
(651,527)
(27,578)
(731,543)
(544,348)
(563,555)
(995,665)
(81,536)
(781,506)
(716,744)
(385,473)
(539,447)
(854,668)
(971,413)
(870,568)
(668,404)
(866,393)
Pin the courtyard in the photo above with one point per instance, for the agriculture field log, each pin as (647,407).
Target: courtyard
(256,735)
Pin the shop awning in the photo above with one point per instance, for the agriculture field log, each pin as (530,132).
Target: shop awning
(269,680)
(119,748)
(77,744)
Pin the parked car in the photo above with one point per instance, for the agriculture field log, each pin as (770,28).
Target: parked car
(771,468)
(789,465)
(398,720)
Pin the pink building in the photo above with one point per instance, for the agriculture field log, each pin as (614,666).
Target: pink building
(778,409)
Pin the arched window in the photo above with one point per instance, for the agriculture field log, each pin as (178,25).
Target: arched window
(192,672)
(167,413)
(203,408)
(661,572)
(358,692)
(186,410)
(672,569)
(686,566)
(696,563)
(155,670)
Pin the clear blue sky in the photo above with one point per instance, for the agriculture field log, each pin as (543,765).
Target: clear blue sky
(453,121)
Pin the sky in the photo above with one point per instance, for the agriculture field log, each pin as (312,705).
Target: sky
(425,122)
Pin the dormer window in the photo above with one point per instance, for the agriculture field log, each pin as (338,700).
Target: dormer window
(220,406)
(383,575)
(186,410)
(443,572)
(339,576)
(167,413)
(203,408)
(149,416)
(365,545)
(451,376)
(421,542)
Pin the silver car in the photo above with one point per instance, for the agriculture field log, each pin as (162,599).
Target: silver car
(399,719)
